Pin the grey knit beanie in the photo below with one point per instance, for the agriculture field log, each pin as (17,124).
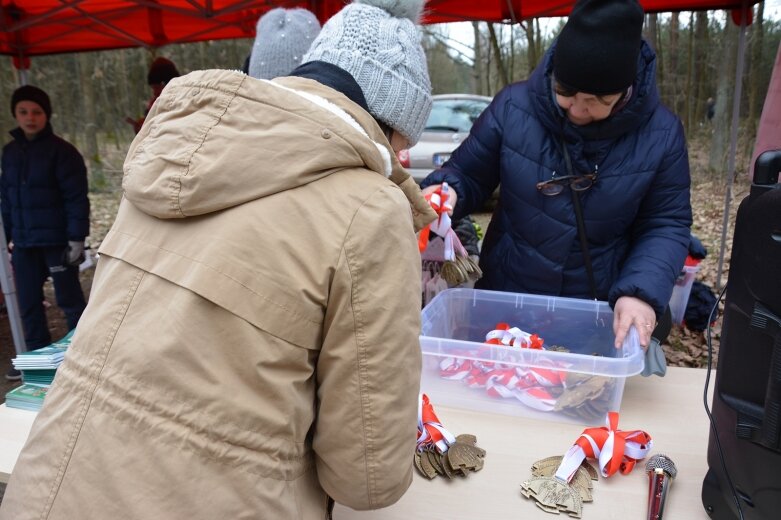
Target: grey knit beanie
(378,43)
(282,38)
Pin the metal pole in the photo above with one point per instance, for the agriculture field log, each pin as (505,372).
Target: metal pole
(7,272)
(733,140)
(9,292)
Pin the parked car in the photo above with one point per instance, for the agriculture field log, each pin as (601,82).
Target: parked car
(452,116)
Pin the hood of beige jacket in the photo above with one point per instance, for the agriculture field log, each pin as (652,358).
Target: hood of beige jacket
(212,134)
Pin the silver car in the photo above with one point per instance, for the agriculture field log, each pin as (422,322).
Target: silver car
(452,116)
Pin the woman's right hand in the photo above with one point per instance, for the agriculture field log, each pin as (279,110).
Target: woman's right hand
(452,196)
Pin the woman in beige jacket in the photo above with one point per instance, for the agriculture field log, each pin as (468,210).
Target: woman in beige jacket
(250,347)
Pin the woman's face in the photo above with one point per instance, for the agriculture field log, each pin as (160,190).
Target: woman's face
(582,108)
(398,142)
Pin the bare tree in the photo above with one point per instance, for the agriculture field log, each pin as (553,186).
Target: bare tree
(688,104)
(755,63)
(702,48)
(479,70)
(498,54)
(724,90)
(673,91)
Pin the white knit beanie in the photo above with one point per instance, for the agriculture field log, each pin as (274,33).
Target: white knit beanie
(378,43)
(282,38)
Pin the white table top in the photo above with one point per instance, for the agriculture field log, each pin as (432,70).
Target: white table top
(670,409)
(14,427)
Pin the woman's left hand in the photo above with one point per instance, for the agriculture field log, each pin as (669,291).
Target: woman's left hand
(633,311)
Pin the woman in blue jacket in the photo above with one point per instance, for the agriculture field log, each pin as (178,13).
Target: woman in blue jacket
(594,174)
(43,189)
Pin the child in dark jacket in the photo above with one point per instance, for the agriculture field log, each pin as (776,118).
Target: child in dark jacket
(45,208)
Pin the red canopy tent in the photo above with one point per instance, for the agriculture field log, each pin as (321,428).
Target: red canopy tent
(37,27)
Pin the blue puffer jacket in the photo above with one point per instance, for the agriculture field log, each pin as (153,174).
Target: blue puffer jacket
(44,191)
(637,214)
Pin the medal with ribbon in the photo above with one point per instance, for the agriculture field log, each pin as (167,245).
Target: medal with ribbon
(563,484)
(439,452)
(458,268)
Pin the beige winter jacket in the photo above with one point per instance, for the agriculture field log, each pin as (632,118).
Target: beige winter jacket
(251,341)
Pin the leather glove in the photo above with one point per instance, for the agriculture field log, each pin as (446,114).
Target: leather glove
(74,254)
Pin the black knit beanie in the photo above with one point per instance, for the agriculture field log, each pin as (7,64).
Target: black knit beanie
(597,50)
(34,94)
(161,71)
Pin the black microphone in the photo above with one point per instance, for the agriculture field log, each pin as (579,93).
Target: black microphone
(661,472)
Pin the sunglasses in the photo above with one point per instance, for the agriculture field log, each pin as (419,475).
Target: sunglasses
(556,185)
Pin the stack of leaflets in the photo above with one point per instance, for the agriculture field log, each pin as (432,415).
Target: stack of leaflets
(39,366)
(26,397)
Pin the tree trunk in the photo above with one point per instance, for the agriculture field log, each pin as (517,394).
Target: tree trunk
(673,91)
(754,103)
(499,58)
(724,91)
(479,60)
(688,105)
(531,45)
(89,115)
(702,46)
(654,38)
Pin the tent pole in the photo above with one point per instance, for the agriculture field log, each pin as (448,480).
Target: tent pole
(9,292)
(733,139)
(6,271)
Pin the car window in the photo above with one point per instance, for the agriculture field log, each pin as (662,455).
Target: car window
(454,115)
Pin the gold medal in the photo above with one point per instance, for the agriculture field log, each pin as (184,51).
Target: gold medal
(553,495)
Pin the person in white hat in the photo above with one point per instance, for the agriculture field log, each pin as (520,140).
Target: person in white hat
(251,345)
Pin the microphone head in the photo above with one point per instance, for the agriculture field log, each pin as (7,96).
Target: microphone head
(662,462)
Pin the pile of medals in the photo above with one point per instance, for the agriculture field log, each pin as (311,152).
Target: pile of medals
(460,270)
(439,452)
(549,389)
(563,484)
(554,495)
(585,396)
(460,458)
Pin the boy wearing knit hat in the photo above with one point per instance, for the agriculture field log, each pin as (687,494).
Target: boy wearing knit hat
(43,192)
(282,38)
(594,174)
(254,328)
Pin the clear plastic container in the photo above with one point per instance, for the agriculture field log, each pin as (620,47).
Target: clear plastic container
(581,385)
(681,292)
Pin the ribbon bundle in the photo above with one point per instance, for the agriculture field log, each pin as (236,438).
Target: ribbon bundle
(431,433)
(615,450)
(458,267)
(503,334)
(530,386)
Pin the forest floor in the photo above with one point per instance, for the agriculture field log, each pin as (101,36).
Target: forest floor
(682,348)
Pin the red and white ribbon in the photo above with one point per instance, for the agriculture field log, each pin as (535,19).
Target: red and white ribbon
(442,226)
(530,386)
(430,429)
(503,334)
(614,449)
